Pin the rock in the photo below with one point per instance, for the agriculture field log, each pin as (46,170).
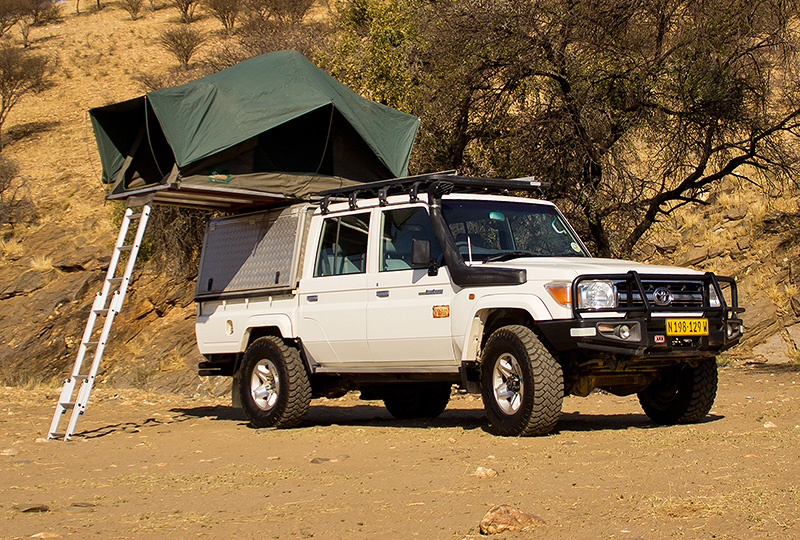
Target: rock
(774,350)
(506,518)
(31,508)
(794,334)
(693,256)
(770,425)
(735,214)
(666,245)
(484,472)
(46,535)
(715,251)
(762,317)
(79,508)
(9,452)
(796,304)
(743,243)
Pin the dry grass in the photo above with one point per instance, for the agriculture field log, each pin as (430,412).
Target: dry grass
(41,262)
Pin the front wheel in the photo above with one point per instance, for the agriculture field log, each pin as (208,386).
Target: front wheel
(522,384)
(274,389)
(681,394)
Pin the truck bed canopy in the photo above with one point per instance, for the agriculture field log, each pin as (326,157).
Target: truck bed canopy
(272,127)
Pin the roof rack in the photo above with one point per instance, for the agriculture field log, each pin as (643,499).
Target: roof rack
(412,185)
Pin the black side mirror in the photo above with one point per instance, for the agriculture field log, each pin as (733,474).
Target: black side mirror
(420,252)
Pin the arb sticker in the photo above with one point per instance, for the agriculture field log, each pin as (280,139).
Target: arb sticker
(441,312)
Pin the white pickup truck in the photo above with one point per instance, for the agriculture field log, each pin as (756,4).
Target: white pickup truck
(403,288)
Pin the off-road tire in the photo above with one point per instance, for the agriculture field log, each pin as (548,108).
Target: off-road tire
(417,400)
(278,393)
(681,394)
(535,379)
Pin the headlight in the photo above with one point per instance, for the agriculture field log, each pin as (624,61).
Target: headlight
(713,299)
(596,295)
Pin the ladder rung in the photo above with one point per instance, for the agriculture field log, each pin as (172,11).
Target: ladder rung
(101,311)
(55,434)
(137,215)
(67,404)
(80,377)
(115,279)
(125,248)
(91,343)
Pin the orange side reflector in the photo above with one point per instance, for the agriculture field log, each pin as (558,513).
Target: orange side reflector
(441,312)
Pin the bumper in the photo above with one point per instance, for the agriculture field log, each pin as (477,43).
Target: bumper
(642,337)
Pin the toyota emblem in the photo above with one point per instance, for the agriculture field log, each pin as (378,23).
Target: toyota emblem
(662,296)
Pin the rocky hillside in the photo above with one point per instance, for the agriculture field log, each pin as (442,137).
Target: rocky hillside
(51,268)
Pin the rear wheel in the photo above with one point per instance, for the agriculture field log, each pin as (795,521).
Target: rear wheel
(681,394)
(522,384)
(417,400)
(274,389)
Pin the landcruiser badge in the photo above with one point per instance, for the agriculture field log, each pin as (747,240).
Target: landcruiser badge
(659,339)
(662,296)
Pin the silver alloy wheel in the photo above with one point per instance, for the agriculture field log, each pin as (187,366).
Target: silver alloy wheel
(507,383)
(265,385)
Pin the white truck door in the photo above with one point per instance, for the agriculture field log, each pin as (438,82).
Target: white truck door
(333,294)
(408,311)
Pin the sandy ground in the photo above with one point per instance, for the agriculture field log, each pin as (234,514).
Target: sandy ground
(149,465)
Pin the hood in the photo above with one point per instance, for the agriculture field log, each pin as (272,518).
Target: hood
(568,268)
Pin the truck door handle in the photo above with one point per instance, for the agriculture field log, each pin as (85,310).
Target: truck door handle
(382,294)
(312,298)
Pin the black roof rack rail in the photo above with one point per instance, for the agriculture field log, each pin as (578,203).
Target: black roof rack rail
(412,185)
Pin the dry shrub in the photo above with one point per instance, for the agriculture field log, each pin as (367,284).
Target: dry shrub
(16,206)
(174,238)
(225,11)
(133,7)
(20,72)
(186,9)
(182,43)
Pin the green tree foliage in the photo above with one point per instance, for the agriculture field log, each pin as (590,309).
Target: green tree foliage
(375,49)
(630,108)
(20,72)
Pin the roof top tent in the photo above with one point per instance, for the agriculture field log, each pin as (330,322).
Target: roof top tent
(271,128)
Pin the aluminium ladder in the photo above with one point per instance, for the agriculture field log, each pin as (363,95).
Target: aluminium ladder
(107,304)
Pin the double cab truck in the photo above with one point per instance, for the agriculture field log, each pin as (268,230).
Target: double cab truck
(402,288)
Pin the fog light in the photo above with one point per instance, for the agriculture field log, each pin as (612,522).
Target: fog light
(623,331)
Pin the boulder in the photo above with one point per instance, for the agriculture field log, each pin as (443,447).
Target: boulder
(693,256)
(506,518)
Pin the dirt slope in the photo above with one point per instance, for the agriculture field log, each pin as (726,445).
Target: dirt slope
(149,465)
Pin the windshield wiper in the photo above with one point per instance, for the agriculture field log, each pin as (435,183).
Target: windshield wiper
(508,255)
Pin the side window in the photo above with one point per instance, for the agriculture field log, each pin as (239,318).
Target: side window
(400,228)
(343,246)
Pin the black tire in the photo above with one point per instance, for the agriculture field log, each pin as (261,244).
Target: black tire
(417,400)
(522,384)
(681,394)
(274,386)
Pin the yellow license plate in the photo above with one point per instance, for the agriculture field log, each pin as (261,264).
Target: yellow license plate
(687,327)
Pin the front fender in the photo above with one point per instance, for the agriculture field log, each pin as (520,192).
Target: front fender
(474,323)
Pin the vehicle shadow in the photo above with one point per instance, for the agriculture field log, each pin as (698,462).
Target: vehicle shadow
(368,415)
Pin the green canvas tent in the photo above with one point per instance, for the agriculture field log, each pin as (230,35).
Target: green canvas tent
(271,127)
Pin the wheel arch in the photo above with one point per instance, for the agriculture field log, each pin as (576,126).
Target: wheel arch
(496,311)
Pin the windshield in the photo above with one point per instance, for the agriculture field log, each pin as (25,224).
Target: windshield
(498,230)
